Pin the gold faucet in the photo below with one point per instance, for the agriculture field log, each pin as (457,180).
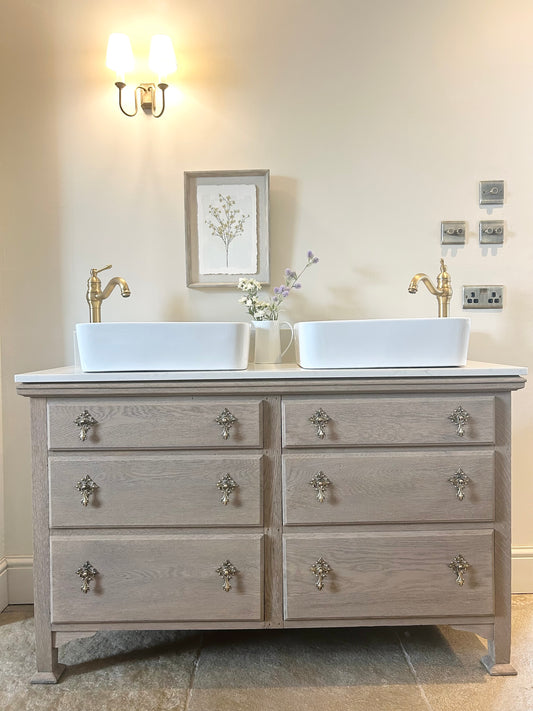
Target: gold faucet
(95,295)
(443,290)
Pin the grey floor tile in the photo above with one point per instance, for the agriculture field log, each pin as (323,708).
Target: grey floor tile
(269,670)
(137,671)
(15,613)
(447,665)
(380,669)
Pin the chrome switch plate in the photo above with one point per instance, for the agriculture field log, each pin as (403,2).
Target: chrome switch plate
(491,231)
(491,192)
(452,232)
(482,297)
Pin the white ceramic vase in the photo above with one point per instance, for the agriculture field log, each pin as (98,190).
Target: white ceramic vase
(268,341)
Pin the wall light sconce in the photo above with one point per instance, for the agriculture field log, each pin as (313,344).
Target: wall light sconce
(161,60)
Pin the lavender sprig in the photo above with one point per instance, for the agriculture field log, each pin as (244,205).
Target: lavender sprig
(269,310)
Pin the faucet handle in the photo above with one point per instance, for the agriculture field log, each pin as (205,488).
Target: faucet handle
(95,271)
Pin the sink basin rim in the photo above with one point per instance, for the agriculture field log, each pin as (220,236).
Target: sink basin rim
(382,343)
(126,346)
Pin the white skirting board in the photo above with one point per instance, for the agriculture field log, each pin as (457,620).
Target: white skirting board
(19,579)
(522,569)
(16,576)
(4,599)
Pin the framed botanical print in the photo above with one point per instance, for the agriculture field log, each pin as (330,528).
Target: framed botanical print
(227,227)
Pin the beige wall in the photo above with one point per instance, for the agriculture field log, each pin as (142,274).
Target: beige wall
(376,118)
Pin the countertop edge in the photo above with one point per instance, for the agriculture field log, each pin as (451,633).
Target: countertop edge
(285,371)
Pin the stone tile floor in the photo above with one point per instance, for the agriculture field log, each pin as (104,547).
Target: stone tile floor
(379,669)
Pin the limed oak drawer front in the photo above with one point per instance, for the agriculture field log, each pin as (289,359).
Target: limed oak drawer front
(191,423)
(388,574)
(451,485)
(370,420)
(155,490)
(157,578)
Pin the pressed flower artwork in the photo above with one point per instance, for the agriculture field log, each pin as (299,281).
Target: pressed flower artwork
(227,229)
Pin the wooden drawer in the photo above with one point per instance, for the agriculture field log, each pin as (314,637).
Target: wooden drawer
(380,487)
(370,420)
(157,578)
(155,490)
(388,574)
(154,423)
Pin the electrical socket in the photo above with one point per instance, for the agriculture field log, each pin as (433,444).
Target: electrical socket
(482,297)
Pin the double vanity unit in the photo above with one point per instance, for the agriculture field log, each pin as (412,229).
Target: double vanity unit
(271,497)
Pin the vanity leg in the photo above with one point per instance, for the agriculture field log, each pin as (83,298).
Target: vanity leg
(497,661)
(48,668)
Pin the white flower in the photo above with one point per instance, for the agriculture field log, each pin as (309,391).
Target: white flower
(269,310)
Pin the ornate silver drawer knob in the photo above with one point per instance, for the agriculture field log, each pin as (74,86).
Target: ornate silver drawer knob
(320,419)
(459,417)
(226,485)
(87,573)
(320,483)
(459,566)
(460,480)
(85,421)
(320,570)
(86,487)
(226,420)
(227,570)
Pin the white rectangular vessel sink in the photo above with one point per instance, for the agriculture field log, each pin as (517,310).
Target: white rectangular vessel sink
(382,343)
(165,346)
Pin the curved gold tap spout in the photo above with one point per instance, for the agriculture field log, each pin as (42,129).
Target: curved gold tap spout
(116,281)
(95,295)
(413,284)
(443,290)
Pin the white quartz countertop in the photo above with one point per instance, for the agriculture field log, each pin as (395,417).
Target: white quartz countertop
(284,371)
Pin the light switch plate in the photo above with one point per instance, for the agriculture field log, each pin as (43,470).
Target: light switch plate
(491,231)
(452,232)
(482,297)
(491,192)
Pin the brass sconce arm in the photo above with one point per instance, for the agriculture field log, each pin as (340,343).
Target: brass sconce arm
(147,97)
(121,85)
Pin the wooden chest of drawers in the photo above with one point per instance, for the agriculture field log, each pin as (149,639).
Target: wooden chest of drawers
(272,503)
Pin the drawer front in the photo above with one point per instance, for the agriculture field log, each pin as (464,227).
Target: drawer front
(371,420)
(157,578)
(387,488)
(388,574)
(149,423)
(155,490)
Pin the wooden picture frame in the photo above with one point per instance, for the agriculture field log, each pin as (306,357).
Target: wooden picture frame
(227,227)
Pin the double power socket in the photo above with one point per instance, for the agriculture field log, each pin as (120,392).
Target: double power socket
(482,297)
